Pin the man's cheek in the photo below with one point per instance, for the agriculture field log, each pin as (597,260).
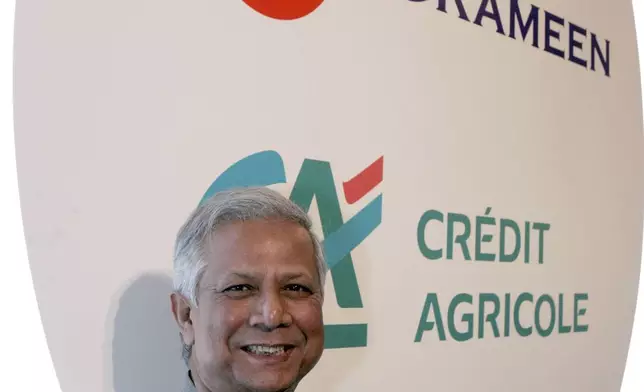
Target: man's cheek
(206,330)
(310,318)
(230,317)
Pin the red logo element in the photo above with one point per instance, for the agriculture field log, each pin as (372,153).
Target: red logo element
(284,9)
(363,182)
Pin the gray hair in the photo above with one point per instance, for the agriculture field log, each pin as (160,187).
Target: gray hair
(230,206)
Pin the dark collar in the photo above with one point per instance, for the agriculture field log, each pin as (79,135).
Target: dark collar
(189,384)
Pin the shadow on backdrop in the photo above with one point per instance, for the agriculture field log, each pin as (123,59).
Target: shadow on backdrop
(146,349)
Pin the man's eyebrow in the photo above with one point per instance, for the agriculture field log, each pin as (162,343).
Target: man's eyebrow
(241,275)
(284,276)
(247,276)
(227,277)
(290,276)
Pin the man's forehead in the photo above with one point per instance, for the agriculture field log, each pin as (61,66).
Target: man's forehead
(246,247)
(249,274)
(257,272)
(257,230)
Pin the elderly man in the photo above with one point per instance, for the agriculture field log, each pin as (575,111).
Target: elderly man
(249,279)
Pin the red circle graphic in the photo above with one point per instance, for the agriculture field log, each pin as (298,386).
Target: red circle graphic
(284,9)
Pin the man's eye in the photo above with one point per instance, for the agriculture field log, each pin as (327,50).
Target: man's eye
(298,288)
(239,288)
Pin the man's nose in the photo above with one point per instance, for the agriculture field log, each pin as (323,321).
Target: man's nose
(271,312)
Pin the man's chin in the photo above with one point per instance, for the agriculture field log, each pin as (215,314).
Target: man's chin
(271,382)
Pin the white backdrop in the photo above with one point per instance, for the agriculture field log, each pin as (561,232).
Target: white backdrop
(13,334)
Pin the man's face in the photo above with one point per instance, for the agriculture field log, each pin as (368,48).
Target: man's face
(259,322)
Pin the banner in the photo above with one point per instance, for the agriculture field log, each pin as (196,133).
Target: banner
(474,168)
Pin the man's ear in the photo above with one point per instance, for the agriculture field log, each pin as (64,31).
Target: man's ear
(182,312)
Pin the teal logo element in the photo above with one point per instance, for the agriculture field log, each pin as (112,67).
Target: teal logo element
(315,180)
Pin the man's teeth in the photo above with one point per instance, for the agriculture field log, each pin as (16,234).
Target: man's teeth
(266,350)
